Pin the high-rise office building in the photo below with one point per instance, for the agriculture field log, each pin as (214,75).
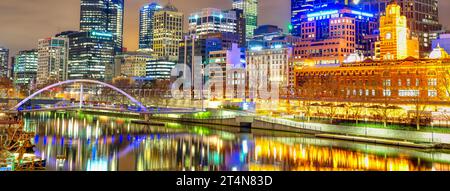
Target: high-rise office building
(25,67)
(146,25)
(270,36)
(90,54)
(250,10)
(167,32)
(212,20)
(329,35)
(53,54)
(301,7)
(131,64)
(159,68)
(228,81)
(4,61)
(268,66)
(198,47)
(104,15)
(395,39)
(422,18)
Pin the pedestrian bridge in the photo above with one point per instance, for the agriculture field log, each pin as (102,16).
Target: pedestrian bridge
(114,110)
(137,108)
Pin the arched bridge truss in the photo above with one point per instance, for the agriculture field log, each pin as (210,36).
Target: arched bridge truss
(82,82)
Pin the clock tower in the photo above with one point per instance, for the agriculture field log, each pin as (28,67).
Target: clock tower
(395,41)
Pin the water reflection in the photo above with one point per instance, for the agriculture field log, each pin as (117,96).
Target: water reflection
(80,142)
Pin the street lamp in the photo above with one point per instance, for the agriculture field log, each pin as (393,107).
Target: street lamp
(432,132)
(201,91)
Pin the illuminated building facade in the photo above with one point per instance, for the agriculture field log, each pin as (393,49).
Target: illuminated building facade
(4,59)
(146,25)
(53,54)
(131,64)
(90,54)
(203,45)
(212,20)
(303,7)
(396,41)
(270,36)
(408,82)
(167,32)
(422,18)
(250,10)
(229,74)
(330,34)
(159,68)
(104,15)
(267,66)
(25,67)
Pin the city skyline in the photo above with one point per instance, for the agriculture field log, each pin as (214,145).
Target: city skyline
(18,17)
(219,85)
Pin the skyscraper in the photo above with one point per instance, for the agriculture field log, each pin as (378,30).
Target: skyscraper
(167,32)
(301,7)
(90,54)
(422,18)
(330,35)
(146,25)
(250,10)
(104,15)
(53,54)
(4,58)
(25,67)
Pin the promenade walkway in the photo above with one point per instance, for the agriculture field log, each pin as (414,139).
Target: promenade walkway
(419,137)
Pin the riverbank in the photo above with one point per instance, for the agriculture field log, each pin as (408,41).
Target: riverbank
(377,141)
(401,138)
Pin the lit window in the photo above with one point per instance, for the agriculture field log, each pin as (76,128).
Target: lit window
(432,93)
(432,82)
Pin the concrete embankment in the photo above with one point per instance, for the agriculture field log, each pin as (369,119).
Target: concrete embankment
(377,141)
(324,132)
(143,122)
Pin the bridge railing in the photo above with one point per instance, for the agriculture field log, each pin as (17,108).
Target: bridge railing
(195,118)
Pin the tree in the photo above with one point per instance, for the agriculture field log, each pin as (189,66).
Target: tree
(356,111)
(6,87)
(306,94)
(443,89)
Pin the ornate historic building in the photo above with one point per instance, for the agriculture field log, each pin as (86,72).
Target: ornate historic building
(397,82)
(396,41)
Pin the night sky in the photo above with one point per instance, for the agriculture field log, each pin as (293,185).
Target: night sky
(23,22)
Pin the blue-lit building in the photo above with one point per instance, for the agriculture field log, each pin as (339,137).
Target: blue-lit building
(301,7)
(90,54)
(329,35)
(104,15)
(146,25)
(159,69)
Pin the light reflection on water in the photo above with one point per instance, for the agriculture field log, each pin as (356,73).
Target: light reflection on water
(79,142)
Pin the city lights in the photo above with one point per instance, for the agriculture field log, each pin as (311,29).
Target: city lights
(336,85)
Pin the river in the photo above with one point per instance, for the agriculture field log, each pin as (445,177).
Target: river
(84,142)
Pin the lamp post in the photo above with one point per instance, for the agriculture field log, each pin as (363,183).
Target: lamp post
(432,132)
(201,91)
